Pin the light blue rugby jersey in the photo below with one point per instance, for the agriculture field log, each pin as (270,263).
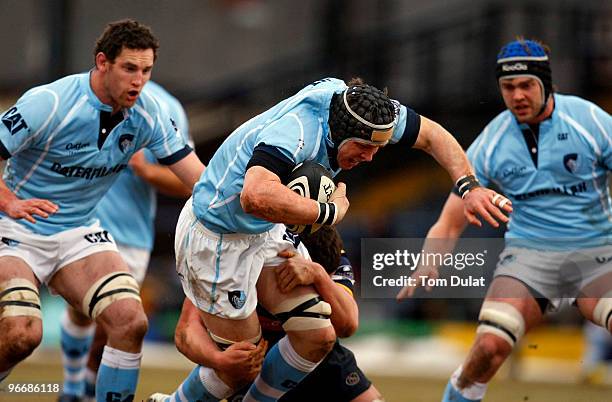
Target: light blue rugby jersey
(298,127)
(567,195)
(50,138)
(128,208)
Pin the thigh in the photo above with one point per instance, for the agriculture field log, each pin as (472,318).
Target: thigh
(592,292)
(512,291)
(73,280)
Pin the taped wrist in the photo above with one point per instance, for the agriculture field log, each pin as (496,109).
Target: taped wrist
(328,213)
(466,183)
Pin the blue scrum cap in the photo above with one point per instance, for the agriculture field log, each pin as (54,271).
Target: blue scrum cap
(525,58)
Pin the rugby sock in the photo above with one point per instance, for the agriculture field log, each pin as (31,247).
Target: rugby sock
(90,383)
(117,375)
(283,368)
(202,385)
(473,393)
(75,342)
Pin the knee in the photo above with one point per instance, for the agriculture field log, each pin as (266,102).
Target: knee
(315,344)
(125,319)
(492,348)
(21,335)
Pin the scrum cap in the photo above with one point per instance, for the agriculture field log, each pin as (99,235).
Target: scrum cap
(522,58)
(362,113)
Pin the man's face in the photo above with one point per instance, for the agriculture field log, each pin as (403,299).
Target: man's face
(125,77)
(352,153)
(523,97)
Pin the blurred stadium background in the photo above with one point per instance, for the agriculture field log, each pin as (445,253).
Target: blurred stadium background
(228,60)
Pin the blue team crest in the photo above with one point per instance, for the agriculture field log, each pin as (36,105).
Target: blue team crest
(570,161)
(237,298)
(126,143)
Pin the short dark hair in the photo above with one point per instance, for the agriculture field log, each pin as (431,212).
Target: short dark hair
(127,33)
(325,247)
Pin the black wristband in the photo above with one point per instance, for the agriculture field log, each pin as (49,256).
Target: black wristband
(327,213)
(466,183)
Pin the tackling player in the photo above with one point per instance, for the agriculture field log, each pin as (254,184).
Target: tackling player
(337,376)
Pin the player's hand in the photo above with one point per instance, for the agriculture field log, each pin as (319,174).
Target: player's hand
(242,361)
(487,204)
(419,275)
(27,209)
(338,197)
(295,271)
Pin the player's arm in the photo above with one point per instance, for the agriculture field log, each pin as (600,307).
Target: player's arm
(439,143)
(441,238)
(298,271)
(159,176)
(240,361)
(188,169)
(30,114)
(264,195)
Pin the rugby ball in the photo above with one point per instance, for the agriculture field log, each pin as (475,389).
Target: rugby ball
(311,180)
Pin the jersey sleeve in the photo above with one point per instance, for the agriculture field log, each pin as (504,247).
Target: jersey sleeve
(476,153)
(167,140)
(27,121)
(344,275)
(408,125)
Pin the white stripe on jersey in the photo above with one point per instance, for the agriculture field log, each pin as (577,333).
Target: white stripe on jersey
(145,114)
(224,202)
(295,116)
(318,144)
(165,133)
(42,156)
(46,123)
(493,143)
(600,126)
(582,131)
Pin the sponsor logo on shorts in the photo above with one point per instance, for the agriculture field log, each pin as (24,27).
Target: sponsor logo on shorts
(603,259)
(237,298)
(9,242)
(99,237)
(352,379)
(126,143)
(507,259)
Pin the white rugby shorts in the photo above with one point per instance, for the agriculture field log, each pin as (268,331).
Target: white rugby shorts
(557,275)
(219,272)
(137,260)
(47,254)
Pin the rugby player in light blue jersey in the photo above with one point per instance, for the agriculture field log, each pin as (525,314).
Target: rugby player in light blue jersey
(127,211)
(228,232)
(550,154)
(66,142)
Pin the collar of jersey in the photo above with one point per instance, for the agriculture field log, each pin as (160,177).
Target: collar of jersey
(93,98)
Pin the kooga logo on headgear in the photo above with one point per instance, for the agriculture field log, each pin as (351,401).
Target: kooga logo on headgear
(514,67)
